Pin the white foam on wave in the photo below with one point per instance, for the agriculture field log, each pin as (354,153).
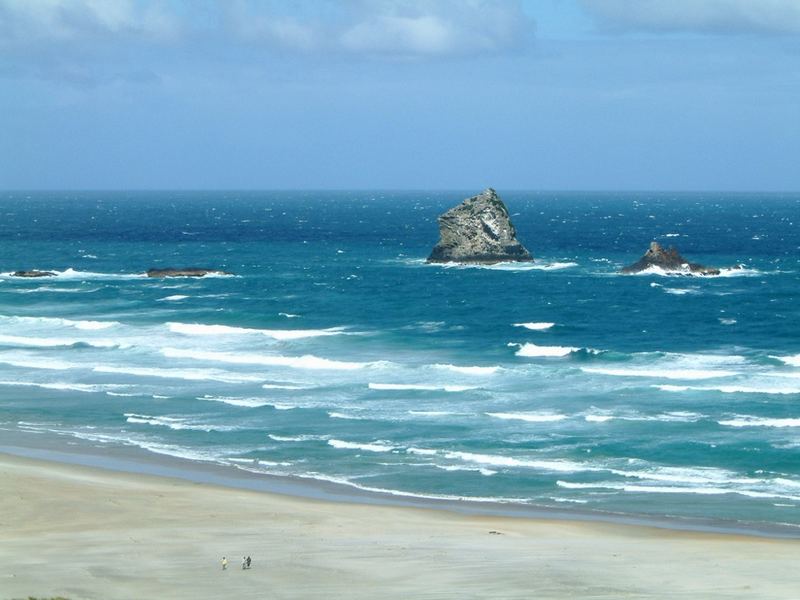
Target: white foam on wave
(68,386)
(508,266)
(83,275)
(751,421)
(283,386)
(188,374)
(598,418)
(685,272)
(58,322)
(296,438)
(345,416)
(535,326)
(733,389)
(306,361)
(665,417)
(373,447)
(561,466)
(529,350)
(420,387)
(39,363)
(277,334)
(288,315)
(483,471)
(54,290)
(655,489)
(422,451)
(37,342)
(176,423)
(530,417)
(237,401)
(173,298)
(793,361)
(468,370)
(664,373)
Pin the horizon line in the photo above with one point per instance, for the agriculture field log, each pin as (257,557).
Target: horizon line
(390,189)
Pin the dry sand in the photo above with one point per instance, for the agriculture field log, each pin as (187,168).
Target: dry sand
(90,533)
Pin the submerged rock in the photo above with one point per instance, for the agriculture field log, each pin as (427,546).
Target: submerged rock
(33,273)
(478,231)
(188,272)
(667,260)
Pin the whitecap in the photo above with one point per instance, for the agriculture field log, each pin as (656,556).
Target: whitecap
(296,438)
(598,418)
(67,386)
(665,373)
(543,326)
(421,451)
(528,416)
(733,389)
(277,334)
(83,275)
(564,466)
(750,421)
(373,447)
(348,417)
(419,387)
(237,401)
(483,471)
(533,351)
(468,370)
(59,322)
(188,374)
(173,298)
(37,342)
(307,361)
(793,360)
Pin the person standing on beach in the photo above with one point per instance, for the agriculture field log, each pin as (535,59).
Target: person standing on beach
(248,562)
(224,563)
(244,563)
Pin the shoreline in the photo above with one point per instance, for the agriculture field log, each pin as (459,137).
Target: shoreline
(90,533)
(139,461)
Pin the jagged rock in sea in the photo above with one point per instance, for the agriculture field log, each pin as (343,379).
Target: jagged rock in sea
(33,273)
(188,272)
(478,231)
(668,259)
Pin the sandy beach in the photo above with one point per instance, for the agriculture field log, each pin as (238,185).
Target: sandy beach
(82,532)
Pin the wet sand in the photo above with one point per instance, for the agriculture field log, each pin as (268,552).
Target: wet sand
(83,532)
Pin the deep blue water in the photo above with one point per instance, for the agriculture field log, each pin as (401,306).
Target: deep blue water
(336,353)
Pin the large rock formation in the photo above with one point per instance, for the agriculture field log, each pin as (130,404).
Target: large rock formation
(667,260)
(33,273)
(478,231)
(189,272)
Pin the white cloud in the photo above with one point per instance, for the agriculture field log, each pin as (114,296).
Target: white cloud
(702,16)
(30,21)
(401,28)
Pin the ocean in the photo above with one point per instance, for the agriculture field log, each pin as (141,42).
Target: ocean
(334,353)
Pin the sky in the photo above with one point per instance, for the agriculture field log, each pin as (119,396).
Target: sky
(400,94)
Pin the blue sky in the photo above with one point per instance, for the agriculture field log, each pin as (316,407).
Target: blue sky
(409,94)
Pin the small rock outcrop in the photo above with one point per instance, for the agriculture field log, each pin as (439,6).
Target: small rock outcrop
(33,273)
(188,272)
(668,259)
(478,231)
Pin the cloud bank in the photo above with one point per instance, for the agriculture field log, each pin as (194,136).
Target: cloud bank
(697,16)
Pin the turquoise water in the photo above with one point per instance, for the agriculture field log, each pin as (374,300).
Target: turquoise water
(336,353)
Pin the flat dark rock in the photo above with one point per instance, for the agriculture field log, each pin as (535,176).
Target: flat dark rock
(478,231)
(33,273)
(669,260)
(188,272)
